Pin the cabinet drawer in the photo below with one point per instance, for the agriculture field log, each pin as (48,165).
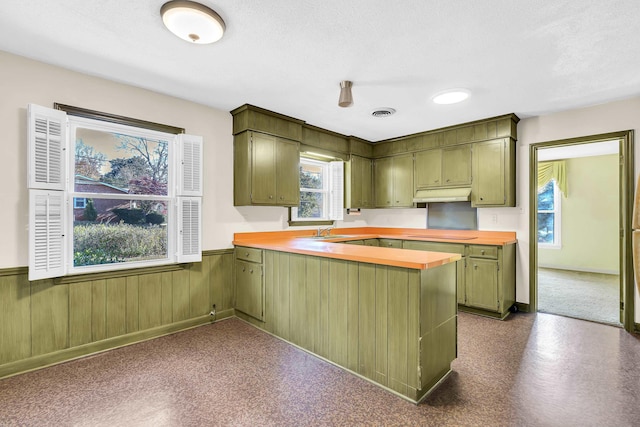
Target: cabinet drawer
(453,248)
(481,251)
(249,254)
(390,243)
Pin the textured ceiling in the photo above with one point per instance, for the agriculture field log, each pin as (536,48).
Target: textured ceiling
(529,57)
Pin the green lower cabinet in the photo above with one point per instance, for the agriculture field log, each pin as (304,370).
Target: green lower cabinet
(249,282)
(486,275)
(394,326)
(461,281)
(482,284)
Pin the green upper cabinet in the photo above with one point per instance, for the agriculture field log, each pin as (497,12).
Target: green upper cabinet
(447,167)
(393,181)
(358,183)
(266,170)
(428,169)
(456,165)
(494,165)
(383,182)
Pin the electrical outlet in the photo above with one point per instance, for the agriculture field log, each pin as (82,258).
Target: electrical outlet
(494,218)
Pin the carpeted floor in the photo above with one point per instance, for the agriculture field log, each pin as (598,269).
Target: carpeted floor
(588,296)
(529,370)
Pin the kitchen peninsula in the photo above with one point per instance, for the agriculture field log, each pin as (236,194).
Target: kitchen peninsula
(358,299)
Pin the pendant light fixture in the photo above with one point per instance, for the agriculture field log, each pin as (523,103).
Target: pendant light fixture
(192,21)
(346,99)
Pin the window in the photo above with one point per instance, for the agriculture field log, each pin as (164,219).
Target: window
(321,191)
(549,215)
(105,195)
(79,203)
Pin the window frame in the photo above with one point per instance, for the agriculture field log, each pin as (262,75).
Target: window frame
(57,188)
(557,218)
(333,190)
(75,204)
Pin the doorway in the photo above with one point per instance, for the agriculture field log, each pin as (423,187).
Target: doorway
(581,194)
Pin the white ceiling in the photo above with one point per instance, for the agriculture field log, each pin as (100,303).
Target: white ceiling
(529,57)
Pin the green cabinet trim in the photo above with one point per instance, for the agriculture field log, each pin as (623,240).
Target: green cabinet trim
(249,117)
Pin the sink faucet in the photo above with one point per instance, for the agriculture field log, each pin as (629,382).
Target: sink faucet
(322,230)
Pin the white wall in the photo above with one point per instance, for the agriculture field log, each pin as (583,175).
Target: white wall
(24,81)
(611,117)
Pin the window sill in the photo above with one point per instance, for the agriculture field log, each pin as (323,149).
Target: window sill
(303,223)
(543,246)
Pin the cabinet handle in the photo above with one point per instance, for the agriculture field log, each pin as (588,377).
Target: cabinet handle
(271,197)
(281,197)
(482,252)
(251,271)
(243,268)
(481,198)
(448,180)
(475,266)
(436,181)
(246,254)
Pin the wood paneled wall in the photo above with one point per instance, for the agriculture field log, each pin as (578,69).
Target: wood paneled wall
(50,321)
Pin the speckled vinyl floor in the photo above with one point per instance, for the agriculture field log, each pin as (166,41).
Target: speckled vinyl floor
(530,370)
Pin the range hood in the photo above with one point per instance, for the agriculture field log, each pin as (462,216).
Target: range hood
(443,195)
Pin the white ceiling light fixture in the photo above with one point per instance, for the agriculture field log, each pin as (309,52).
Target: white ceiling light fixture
(192,21)
(451,96)
(346,98)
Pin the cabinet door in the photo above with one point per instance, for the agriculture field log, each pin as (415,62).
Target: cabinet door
(249,290)
(287,173)
(482,283)
(488,173)
(456,165)
(366,182)
(403,181)
(461,280)
(263,169)
(356,182)
(428,168)
(383,182)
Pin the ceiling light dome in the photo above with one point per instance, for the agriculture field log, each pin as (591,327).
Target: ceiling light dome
(451,96)
(192,21)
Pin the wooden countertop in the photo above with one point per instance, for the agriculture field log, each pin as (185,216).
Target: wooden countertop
(295,242)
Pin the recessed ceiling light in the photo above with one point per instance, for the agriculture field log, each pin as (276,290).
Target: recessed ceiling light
(451,96)
(192,21)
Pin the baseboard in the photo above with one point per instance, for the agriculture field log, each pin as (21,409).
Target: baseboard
(580,269)
(68,354)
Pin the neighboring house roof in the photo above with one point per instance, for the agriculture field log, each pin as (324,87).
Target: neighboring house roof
(84,180)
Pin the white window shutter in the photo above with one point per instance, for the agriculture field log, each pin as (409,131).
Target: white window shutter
(46,234)
(190,165)
(46,135)
(336,190)
(189,229)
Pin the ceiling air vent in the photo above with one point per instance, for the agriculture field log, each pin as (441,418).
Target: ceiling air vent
(383,112)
